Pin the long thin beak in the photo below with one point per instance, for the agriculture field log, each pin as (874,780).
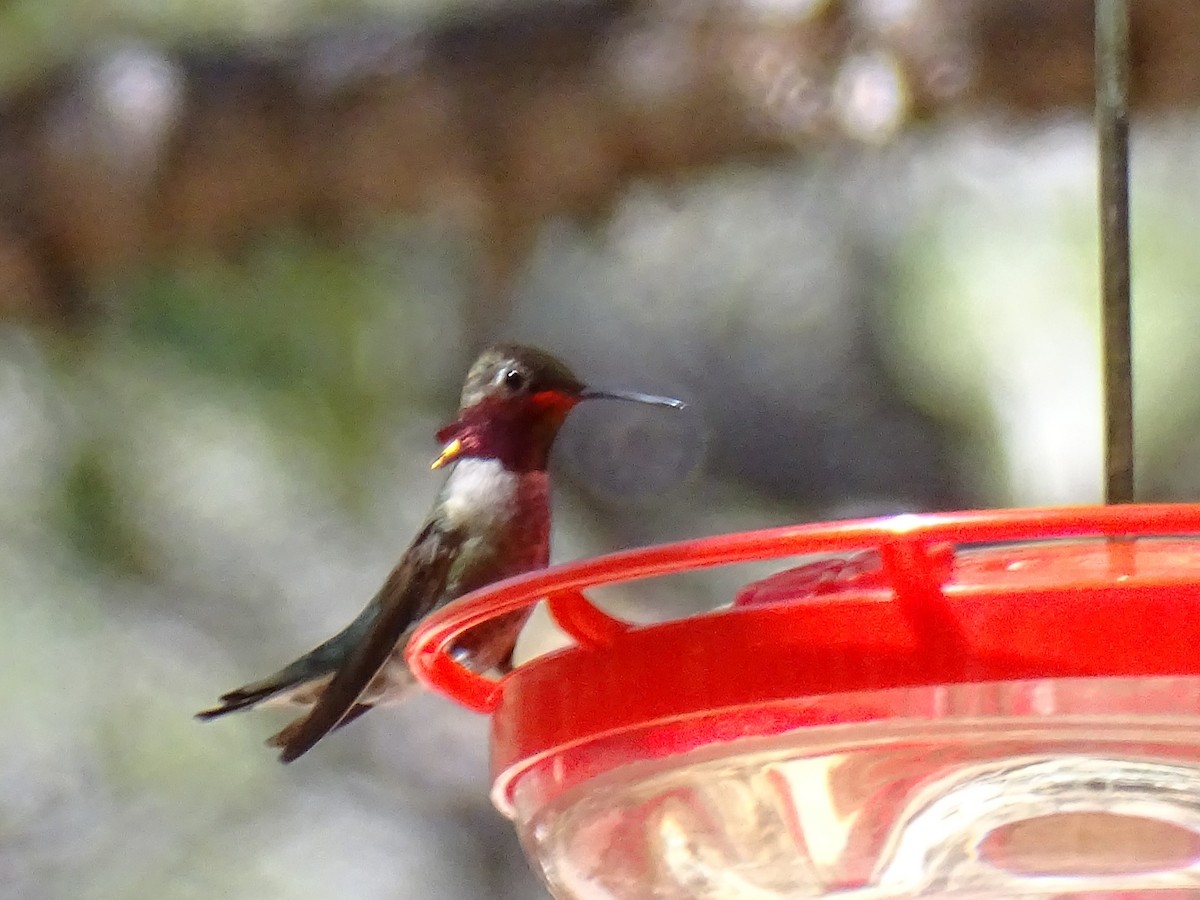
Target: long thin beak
(650,399)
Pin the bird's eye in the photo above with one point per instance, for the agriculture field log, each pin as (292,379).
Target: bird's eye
(514,379)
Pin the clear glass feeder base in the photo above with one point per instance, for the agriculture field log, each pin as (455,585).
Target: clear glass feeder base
(1083,787)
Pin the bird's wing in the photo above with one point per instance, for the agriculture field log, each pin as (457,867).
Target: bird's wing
(410,592)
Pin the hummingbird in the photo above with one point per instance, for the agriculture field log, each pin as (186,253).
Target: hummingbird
(490,521)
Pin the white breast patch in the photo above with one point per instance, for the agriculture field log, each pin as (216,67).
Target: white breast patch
(480,493)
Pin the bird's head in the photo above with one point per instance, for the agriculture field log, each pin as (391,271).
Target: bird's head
(513,402)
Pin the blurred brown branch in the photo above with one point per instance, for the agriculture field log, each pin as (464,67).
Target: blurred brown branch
(503,121)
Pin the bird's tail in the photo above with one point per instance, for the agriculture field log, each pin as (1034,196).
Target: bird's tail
(285,684)
(301,682)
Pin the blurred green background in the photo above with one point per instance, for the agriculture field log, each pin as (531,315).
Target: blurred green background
(212,465)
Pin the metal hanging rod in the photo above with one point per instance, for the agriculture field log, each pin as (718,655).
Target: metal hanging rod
(1112,127)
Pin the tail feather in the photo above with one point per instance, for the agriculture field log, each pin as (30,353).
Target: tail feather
(308,672)
(299,683)
(251,695)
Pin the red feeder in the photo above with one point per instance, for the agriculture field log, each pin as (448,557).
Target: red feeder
(991,703)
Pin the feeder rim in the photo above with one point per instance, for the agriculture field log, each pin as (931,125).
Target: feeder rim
(904,540)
